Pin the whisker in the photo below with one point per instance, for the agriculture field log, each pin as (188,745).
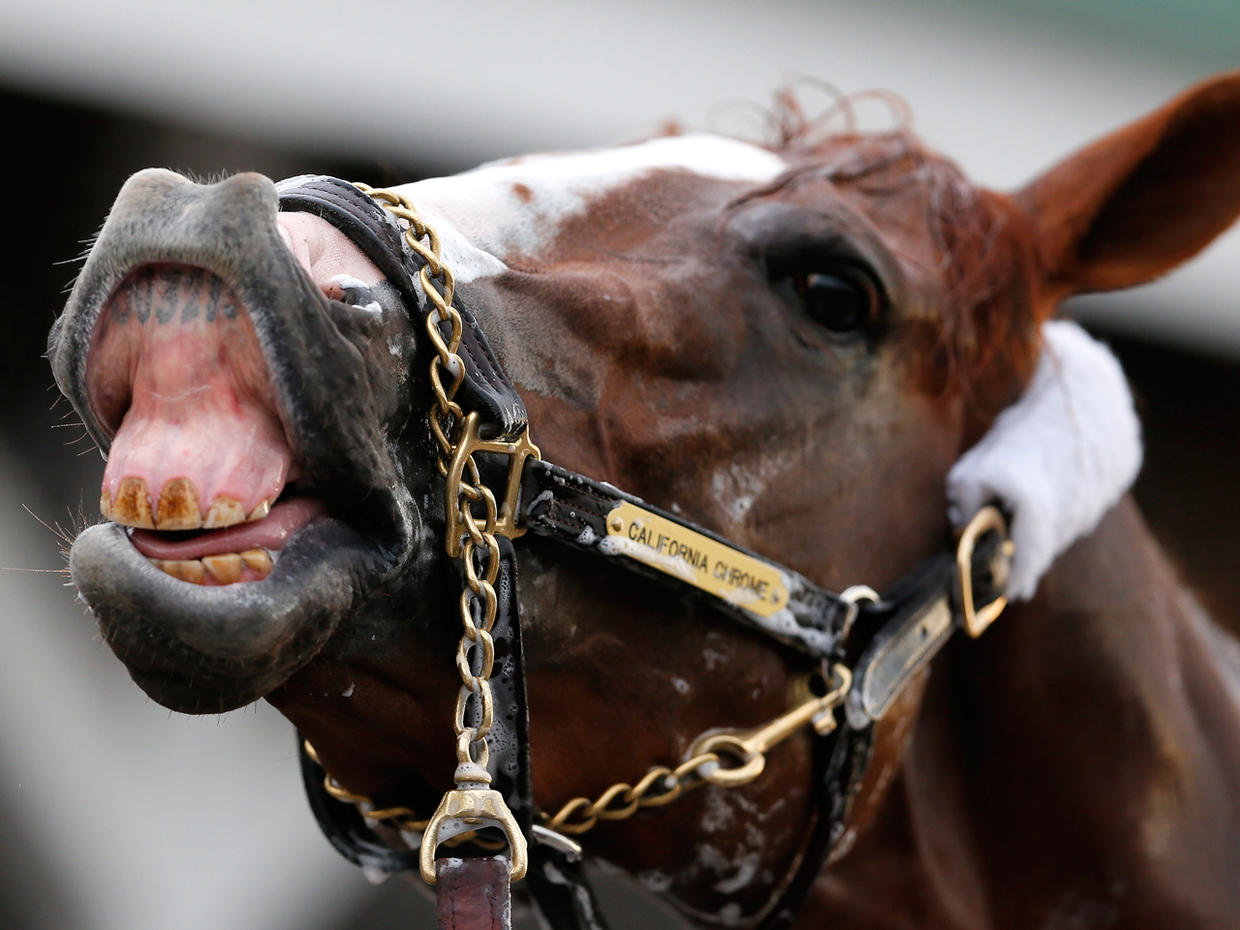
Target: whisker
(65,535)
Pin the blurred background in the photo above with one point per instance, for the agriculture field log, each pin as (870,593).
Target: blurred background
(116,814)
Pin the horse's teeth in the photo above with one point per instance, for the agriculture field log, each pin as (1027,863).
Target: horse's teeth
(224,511)
(132,504)
(224,568)
(190,570)
(258,560)
(178,506)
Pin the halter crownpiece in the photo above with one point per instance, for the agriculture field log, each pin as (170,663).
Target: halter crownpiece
(497,487)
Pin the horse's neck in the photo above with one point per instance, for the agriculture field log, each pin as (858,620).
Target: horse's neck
(1078,765)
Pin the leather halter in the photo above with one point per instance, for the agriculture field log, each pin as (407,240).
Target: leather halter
(881,643)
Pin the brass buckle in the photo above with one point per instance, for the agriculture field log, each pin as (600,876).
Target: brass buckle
(518,449)
(466,809)
(977,619)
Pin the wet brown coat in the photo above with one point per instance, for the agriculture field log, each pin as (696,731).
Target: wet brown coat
(1078,767)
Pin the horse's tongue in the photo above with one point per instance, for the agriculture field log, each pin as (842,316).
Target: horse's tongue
(270,533)
(200,444)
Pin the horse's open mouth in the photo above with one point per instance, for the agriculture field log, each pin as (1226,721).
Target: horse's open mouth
(199,467)
(251,498)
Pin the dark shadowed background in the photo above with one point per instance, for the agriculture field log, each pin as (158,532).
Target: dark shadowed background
(114,813)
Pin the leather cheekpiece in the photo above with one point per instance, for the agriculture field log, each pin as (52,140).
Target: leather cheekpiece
(372,229)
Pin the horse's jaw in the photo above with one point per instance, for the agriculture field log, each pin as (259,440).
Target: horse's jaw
(256,500)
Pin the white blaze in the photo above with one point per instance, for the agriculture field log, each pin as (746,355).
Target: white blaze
(517,206)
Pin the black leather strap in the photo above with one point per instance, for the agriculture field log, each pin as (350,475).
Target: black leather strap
(509,756)
(485,388)
(840,763)
(556,879)
(914,621)
(906,629)
(573,509)
(368,225)
(561,888)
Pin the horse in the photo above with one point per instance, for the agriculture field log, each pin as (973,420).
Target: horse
(742,377)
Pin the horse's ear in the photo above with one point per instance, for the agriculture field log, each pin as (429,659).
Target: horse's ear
(1138,202)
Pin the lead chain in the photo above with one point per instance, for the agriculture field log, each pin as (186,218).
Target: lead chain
(475,654)
(659,786)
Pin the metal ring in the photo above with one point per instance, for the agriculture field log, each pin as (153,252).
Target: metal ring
(854,597)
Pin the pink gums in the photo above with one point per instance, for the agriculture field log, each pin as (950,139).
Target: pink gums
(177,355)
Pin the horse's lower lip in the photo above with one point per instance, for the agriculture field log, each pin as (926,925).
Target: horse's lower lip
(204,649)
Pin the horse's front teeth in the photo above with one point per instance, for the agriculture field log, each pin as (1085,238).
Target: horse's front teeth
(190,570)
(258,560)
(224,511)
(224,568)
(178,506)
(132,504)
(176,509)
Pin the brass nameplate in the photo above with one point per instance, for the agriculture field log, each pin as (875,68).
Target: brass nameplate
(675,550)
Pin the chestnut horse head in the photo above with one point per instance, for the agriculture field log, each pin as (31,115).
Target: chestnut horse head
(789,348)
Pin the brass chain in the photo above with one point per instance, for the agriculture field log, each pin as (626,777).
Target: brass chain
(659,786)
(402,818)
(734,758)
(475,654)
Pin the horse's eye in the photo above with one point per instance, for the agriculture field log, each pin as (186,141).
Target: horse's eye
(843,302)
